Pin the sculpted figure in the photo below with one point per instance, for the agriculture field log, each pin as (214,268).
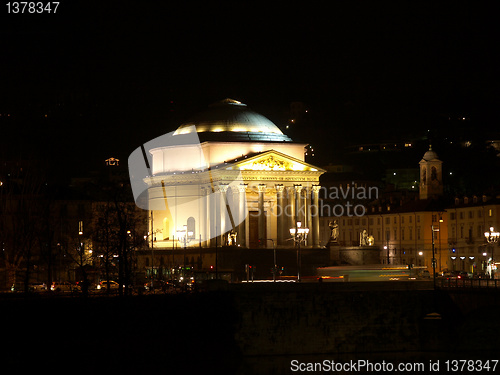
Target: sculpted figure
(334,227)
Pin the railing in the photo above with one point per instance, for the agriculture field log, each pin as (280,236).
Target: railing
(468,283)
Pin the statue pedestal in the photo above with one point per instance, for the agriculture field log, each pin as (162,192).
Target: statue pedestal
(334,249)
(358,255)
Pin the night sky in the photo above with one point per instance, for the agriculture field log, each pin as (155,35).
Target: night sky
(112,76)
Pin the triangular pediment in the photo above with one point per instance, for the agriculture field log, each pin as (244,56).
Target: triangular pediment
(273,161)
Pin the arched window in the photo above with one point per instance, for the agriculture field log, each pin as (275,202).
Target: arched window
(191,227)
(433,173)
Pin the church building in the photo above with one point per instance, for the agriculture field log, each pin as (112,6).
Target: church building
(230,177)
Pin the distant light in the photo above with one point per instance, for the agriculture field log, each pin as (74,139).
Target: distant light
(451,173)
(394,173)
(420,253)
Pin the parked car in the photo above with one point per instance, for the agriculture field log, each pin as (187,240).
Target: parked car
(64,286)
(157,284)
(37,287)
(82,285)
(426,274)
(105,285)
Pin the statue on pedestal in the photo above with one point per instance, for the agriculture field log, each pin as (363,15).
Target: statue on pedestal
(231,238)
(334,228)
(363,238)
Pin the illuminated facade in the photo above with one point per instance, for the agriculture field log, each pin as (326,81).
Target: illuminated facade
(250,184)
(469,219)
(403,232)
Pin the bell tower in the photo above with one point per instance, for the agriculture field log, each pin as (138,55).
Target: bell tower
(431,175)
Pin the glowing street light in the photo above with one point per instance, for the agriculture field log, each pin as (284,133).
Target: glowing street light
(492,238)
(433,253)
(299,235)
(185,236)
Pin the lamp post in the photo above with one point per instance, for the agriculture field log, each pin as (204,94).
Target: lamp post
(275,267)
(492,238)
(299,235)
(433,256)
(185,236)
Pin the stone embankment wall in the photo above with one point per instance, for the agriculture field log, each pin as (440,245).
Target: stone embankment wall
(318,318)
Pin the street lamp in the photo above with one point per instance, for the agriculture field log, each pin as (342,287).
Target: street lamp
(492,238)
(299,235)
(275,266)
(433,255)
(185,236)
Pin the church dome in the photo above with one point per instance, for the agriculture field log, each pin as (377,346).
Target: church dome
(430,155)
(231,120)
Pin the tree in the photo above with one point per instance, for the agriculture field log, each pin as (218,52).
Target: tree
(118,227)
(21,202)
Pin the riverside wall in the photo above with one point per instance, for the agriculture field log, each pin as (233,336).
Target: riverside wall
(244,320)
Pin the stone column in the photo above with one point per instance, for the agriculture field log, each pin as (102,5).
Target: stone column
(212,207)
(224,219)
(242,236)
(291,211)
(307,213)
(281,218)
(299,208)
(307,206)
(315,215)
(261,219)
(204,219)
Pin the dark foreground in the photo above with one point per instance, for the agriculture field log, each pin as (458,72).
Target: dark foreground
(247,329)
